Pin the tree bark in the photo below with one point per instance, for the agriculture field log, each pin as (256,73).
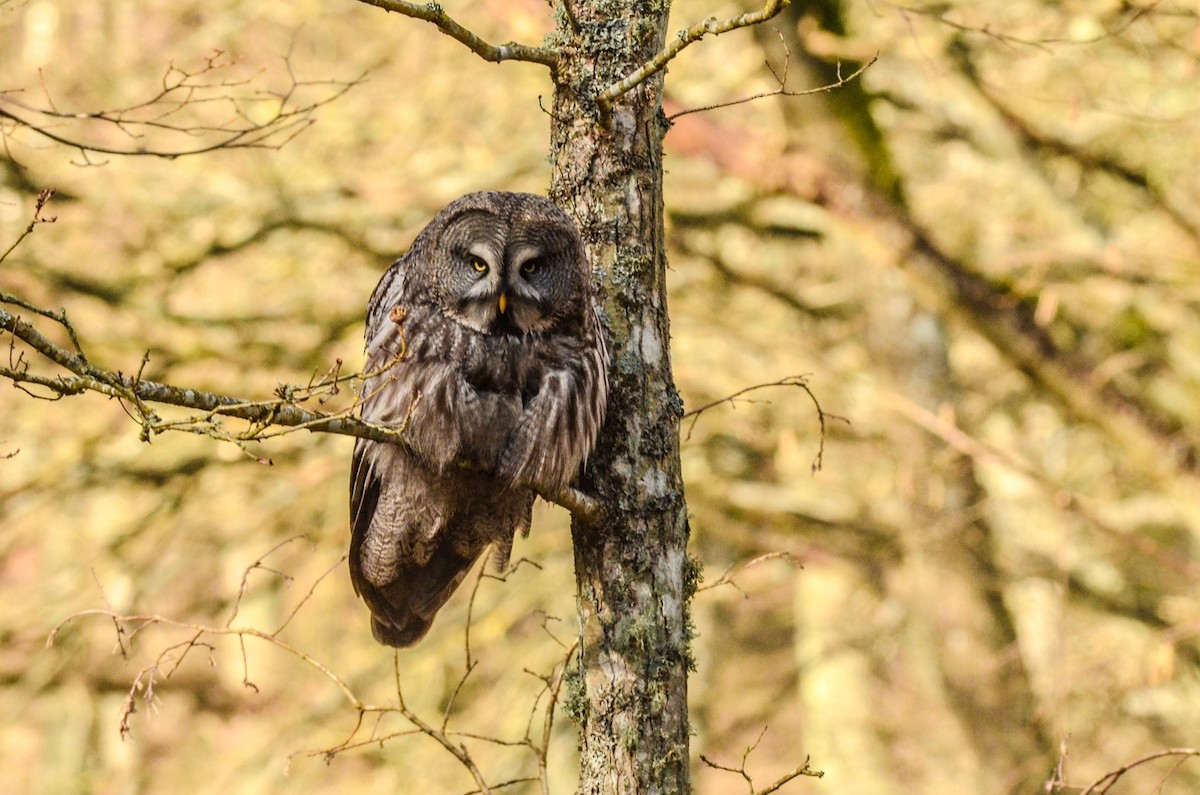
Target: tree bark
(629,691)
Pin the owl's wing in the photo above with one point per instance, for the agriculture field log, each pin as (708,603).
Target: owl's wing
(389,292)
(558,428)
(405,561)
(412,383)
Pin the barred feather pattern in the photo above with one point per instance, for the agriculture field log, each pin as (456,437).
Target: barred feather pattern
(487,413)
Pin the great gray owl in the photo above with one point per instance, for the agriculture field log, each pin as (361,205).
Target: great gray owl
(484,346)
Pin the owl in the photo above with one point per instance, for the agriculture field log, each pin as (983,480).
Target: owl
(484,347)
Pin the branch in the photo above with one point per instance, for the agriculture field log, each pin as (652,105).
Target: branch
(802,770)
(458,751)
(782,292)
(1004,317)
(729,577)
(782,91)
(432,12)
(939,12)
(453,741)
(1065,498)
(800,381)
(42,199)
(686,37)
(1105,782)
(263,415)
(183,91)
(143,622)
(166,663)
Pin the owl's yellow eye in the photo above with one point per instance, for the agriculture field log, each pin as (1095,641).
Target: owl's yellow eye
(531,266)
(479,265)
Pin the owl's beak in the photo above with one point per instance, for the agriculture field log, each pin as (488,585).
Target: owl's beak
(503,302)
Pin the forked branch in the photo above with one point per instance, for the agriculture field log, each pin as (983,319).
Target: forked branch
(802,770)
(799,381)
(203,103)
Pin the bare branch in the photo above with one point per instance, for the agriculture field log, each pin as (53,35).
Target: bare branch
(553,688)
(1102,785)
(1039,140)
(1058,779)
(939,13)
(800,381)
(141,622)
(433,13)
(731,573)
(451,740)
(459,752)
(802,770)
(228,122)
(687,36)
(945,429)
(783,91)
(43,197)
(263,415)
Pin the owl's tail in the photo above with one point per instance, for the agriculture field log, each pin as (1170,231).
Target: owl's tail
(402,611)
(404,595)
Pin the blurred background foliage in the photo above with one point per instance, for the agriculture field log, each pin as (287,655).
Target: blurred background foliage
(985,253)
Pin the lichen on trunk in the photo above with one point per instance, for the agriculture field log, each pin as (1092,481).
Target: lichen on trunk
(634,576)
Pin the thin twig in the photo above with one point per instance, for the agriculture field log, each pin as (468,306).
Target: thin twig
(470,662)
(783,90)
(142,690)
(459,752)
(116,624)
(263,414)
(1058,779)
(802,770)
(1102,785)
(433,13)
(43,197)
(799,381)
(144,621)
(181,90)
(728,578)
(687,36)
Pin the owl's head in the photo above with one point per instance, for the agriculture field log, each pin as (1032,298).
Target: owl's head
(504,263)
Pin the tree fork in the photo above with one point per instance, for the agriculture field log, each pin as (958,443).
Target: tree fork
(629,693)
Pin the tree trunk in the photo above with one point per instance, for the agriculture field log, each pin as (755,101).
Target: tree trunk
(629,691)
